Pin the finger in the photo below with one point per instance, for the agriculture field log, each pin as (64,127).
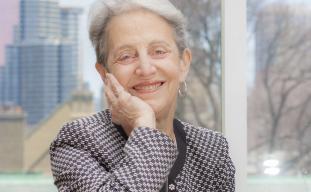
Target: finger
(116,87)
(105,75)
(104,72)
(111,98)
(124,97)
(108,90)
(117,98)
(108,99)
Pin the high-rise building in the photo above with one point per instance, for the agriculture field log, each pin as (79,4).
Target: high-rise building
(12,75)
(10,92)
(42,62)
(1,84)
(69,62)
(39,19)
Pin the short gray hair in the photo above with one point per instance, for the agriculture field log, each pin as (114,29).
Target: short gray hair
(102,11)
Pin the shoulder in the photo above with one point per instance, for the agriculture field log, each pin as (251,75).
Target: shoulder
(208,157)
(201,135)
(83,129)
(94,136)
(205,142)
(103,117)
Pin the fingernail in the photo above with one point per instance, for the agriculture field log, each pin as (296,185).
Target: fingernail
(105,72)
(104,78)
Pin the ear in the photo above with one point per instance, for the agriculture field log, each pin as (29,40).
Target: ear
(101,70)
(185,64)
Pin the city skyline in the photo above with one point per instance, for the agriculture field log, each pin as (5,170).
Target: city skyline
(41,67)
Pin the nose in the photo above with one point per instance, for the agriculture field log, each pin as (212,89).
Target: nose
(145,66)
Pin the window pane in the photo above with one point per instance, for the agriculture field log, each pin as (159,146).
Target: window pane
(38,76)
(201,105)
(279,96)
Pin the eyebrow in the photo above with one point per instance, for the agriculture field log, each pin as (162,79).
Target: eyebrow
(151,43)
(160,42)
(123,47)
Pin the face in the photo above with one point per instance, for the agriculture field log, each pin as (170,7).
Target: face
(144,58)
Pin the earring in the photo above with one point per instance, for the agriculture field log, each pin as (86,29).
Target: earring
(182,91)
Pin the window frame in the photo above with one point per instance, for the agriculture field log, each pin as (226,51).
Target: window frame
(234,85)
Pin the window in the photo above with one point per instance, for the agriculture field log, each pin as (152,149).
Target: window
(202,103)
(44,63)
(279,96)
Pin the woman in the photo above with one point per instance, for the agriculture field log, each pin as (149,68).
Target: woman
(137,145)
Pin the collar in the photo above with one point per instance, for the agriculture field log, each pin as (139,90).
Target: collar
(180,135)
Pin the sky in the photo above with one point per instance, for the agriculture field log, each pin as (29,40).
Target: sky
(9,17)
(87,54)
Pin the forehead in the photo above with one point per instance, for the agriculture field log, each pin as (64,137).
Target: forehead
(138,27)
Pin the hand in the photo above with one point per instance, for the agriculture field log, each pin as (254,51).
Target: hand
(127,110)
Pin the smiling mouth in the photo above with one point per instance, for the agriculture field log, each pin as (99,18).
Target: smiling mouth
(148,87)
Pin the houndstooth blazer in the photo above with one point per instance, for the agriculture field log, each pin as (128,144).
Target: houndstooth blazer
(93,154)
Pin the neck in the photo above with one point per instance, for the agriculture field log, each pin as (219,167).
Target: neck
(164,122)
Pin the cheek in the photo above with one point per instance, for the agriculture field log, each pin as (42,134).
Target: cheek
(123,74)
(173,67)
(173,78)
(173,72)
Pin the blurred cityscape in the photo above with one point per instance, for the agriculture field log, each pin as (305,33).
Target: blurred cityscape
(41,88)
(41,64)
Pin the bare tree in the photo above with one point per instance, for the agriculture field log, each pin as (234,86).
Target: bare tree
(202,103)
(280,103)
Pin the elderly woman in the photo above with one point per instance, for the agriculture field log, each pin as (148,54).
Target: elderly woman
(136,145)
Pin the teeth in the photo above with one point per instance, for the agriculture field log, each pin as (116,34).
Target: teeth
(148,87)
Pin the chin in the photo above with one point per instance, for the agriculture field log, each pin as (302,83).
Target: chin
(161,110)
(155,106)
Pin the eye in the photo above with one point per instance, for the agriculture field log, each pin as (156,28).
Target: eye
(159,53)
(126,58)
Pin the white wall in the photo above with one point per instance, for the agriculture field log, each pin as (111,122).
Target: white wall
(234,85)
